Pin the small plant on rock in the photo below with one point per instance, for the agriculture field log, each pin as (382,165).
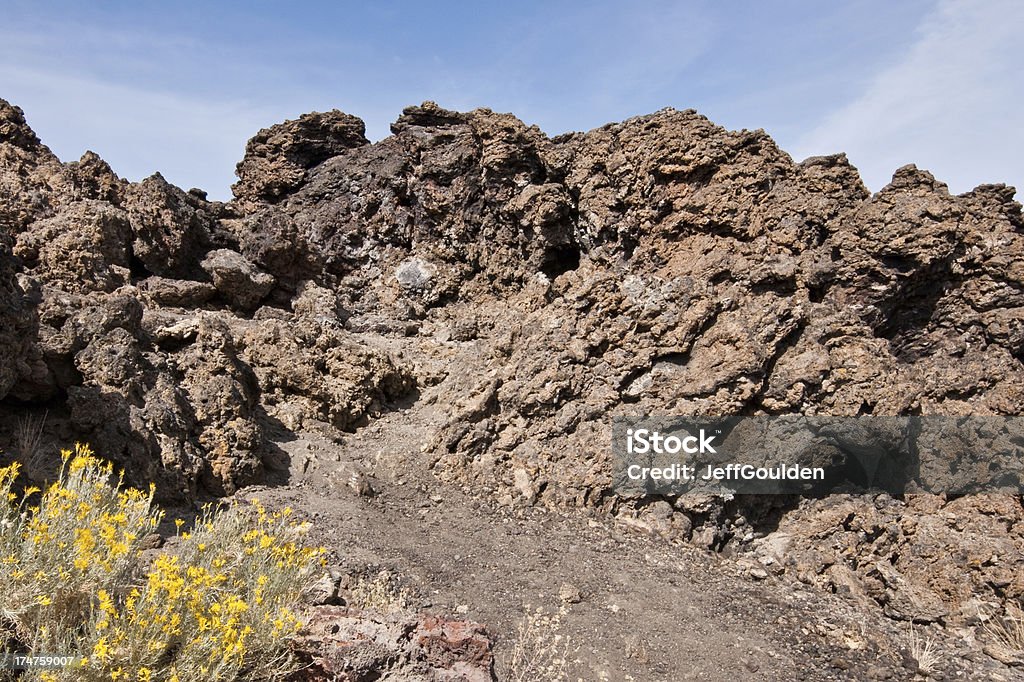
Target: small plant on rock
(380,593)
(1008,631)
(539,651)
(924,653)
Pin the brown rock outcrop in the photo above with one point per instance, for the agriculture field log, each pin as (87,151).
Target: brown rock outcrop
(277,158)
(357,646)
(659,265)
(171,228)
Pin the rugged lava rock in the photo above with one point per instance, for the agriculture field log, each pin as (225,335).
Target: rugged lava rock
(659,265)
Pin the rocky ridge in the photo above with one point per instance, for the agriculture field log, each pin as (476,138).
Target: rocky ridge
(659,265)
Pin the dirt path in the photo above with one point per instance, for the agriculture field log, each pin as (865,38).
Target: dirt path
(646,610)
(636,607)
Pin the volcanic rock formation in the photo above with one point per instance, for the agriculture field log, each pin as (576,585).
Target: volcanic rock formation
(659,265)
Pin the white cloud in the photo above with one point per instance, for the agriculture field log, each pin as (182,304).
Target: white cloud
(951,105)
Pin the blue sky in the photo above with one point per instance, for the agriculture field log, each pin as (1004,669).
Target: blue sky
(179,87)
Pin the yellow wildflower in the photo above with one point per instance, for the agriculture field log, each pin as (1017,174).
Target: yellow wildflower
(101,650)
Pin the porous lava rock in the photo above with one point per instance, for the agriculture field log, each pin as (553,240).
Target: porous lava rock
(662,263)
(547,285)
(277,158)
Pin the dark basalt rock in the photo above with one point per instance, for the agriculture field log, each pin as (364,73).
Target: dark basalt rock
(277,158)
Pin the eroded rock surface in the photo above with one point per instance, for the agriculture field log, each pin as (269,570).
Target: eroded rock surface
(356,646)
(659,265)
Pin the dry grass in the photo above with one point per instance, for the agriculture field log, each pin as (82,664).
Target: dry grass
(381,593)
(1008,630)
(539,651)
(28,437)
(220,608)
(924,653)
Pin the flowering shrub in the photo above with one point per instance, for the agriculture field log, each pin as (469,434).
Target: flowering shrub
(218,608)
